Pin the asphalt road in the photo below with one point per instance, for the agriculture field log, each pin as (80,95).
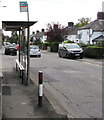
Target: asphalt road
(74,86)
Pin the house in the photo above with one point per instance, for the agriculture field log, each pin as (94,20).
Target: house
(39,36)
(72,32)
(92,31)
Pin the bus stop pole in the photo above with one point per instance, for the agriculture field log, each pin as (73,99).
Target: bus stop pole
(28,49)
(28,14)
(19,45)
(28,56)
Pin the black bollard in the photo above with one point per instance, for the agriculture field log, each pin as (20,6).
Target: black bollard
(40,88)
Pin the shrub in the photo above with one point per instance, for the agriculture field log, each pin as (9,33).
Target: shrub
(37,42)
(44,45)
(54,46)
(82,44)
(69,41)
(94,52)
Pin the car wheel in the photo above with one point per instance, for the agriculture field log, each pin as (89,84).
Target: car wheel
(81,57)
(6,53)
(39,55)
(15,54)
(59,55)
(67,56)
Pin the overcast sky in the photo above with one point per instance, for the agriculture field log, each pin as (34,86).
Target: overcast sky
(47,11)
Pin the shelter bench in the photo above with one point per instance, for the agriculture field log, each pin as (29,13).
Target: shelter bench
(20,67)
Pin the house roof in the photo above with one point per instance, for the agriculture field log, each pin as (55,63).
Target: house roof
(100,38)
(97,25)
(72,30)
(38,34)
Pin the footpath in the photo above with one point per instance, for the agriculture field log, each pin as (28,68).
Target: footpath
(21,101)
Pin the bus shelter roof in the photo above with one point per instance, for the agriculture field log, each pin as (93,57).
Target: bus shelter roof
(16,25)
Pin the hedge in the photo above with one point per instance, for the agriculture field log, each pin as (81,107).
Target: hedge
(45,45)
(94,52)
(54,46)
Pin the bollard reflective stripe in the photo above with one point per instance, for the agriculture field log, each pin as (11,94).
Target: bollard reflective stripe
(41,90)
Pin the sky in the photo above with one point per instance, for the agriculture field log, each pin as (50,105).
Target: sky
(48,11)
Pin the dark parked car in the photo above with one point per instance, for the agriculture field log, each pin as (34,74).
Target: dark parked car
(10,50)
(70,50)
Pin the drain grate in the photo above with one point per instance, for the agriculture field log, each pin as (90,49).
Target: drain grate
(6,90)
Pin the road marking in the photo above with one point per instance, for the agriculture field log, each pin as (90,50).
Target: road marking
(95,77)
(70,71)
(93,64)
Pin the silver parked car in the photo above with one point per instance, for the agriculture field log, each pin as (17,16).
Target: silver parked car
(35,51)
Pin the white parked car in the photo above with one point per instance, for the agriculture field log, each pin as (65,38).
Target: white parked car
(35,51)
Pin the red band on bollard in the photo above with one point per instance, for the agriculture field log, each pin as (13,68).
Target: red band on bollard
(40,77)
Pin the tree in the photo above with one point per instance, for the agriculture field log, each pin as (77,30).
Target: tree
(55,32)
(83,21)
(6,38)
(14,37)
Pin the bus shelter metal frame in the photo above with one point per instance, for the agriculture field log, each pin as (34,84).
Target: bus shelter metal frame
(19,26)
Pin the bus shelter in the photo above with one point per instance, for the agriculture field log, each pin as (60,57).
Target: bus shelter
(23,27)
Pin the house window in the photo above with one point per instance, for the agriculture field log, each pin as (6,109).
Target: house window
(80,36)
(77,36)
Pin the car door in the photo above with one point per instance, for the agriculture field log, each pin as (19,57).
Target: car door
(64,50)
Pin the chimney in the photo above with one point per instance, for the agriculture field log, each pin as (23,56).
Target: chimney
(100,15)
(43,30)
(70,24)
(33,32)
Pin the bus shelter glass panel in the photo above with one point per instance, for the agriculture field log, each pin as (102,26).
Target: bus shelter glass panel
(23,49)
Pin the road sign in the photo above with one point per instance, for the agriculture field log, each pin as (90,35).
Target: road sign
(23,6)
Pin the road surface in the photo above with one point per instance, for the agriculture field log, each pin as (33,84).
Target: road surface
(74,87)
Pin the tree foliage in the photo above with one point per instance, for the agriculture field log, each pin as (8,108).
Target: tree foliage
(83,21)
(14,37)
(55,32)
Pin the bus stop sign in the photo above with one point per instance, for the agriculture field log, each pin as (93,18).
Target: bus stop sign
(23,6)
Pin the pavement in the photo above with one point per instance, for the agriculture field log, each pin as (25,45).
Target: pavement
(21,101)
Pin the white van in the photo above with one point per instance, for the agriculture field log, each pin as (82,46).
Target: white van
(70,50)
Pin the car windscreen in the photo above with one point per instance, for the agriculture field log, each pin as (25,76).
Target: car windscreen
(11,46)
(34,47)
(72,46)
